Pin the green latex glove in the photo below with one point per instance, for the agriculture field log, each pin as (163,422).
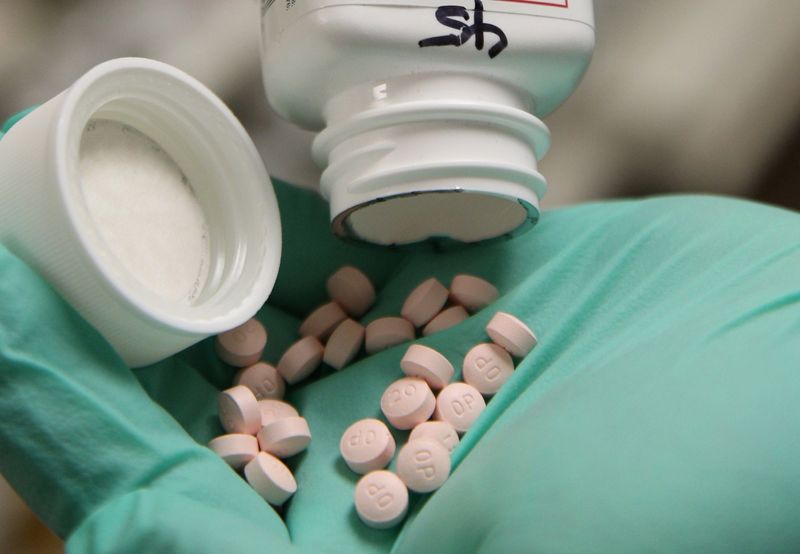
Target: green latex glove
(658,413)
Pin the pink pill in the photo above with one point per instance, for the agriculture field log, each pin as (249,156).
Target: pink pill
(301,359)
(275,409)
(487,367)
(428,364)
(238,411)
(459,404)
(236,449)
(285,437)
(270,478)
(440,431)
(408,402)
(367,445)
(352,290)
(344,344)
(424,302)
(242,345)
(322,321)
(386,332)
(381,499)
(423,465)
(263,379)
(472,292)
(449,317)
(512,334)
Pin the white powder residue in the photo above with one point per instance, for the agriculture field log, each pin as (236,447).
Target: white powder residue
(144,209)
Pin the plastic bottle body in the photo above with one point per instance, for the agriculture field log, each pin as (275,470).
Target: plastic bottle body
(411,110)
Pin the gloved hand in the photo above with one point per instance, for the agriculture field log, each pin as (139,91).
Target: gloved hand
(658,413)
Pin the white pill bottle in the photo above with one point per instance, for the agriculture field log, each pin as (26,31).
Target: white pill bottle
(428,110)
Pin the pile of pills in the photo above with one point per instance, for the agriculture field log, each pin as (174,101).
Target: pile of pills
(262,429)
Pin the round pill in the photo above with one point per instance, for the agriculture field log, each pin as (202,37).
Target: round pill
(300,360)
(487,367)
(285,437)
(428,364)
(263,379)
(238,410)
(352,290)
(270,478)
(386,332)
(242,345)
(236,449)
(322,321)
(275,409)
(408,402)
(459,404)
(344,344)
(424,302)
(449,317)
(472,292)
(381,499)
(423,465)
(437,430)
(510,333)
(367,445)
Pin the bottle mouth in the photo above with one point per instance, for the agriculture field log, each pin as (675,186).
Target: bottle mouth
(436,216)
(228,182)
(431,157)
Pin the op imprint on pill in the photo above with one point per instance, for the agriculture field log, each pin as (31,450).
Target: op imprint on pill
(512,334)
(322,321)
(428,364)
(238,411)
(242,345)
(423,465)
(487,367)
(235,449)
(381,499)
(300,359)
(270,478)
(272,410)
(352,290)
(344,344)
(263,379)
(408,402)
(424,302)
(459,404)
(386,332)
(367,445)
(472,292)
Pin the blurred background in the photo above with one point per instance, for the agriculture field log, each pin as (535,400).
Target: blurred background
(684,96)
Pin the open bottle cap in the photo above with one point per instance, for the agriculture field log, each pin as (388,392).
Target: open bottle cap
(165,262)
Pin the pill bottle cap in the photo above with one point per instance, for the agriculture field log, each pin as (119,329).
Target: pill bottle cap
(431,157)
(44,217)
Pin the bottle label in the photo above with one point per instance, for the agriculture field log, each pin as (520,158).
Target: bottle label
(579,10)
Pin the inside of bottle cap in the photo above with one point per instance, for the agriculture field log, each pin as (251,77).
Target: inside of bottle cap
(462,216)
